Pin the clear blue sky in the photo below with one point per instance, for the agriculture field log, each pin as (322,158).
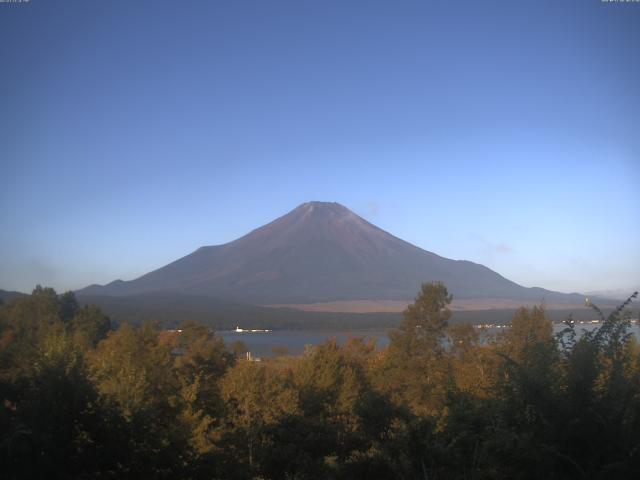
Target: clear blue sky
(502,132)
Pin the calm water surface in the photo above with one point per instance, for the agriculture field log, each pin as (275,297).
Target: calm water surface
(261,344)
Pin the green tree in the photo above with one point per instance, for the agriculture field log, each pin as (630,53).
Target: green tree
(50,418)
(90,325)
(199,367)
(425,322)
(256,398)
(133,373)
(239,349)
(415,367)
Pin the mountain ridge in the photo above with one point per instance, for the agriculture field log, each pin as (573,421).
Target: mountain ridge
(321,252)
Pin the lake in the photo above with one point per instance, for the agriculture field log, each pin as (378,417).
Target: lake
(261,344)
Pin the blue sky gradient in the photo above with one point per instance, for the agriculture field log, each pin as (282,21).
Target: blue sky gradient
(506,133)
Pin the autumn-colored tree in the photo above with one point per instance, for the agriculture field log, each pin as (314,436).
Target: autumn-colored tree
(78,400)
(133,374)
(199,366)
(256,397)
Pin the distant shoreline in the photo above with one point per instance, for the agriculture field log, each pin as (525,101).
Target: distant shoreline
(397,306)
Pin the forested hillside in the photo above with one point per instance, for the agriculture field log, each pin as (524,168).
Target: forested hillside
(80,400)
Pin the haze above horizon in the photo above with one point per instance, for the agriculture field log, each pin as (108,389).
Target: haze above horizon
(132,133)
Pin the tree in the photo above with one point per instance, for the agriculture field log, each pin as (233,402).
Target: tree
(415,367)
(530,337)
(132,372)
(256,397)
(90,325)
(199,368)
(68,306)
(239,349)
(49,416)
(425,321)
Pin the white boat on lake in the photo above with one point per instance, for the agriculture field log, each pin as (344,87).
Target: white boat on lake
(253,330)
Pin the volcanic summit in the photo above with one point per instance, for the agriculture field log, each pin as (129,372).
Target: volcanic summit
(320,252)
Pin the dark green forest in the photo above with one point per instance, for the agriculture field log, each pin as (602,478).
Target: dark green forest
(442,401)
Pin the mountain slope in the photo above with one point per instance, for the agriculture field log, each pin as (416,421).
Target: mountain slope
(7,296)
(320,252)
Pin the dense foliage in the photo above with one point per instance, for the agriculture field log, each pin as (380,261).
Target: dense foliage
(80,400)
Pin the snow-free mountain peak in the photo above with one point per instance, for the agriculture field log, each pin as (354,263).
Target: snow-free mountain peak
(319,252)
